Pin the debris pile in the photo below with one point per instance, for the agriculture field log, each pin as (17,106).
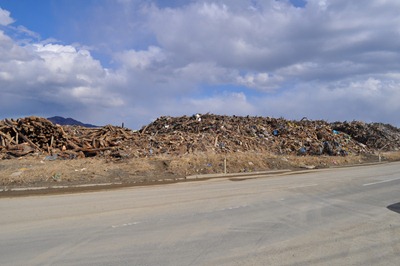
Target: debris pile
(240,134)
(101,140)
(35,134)
(30,134)
(197,133)
(374,135)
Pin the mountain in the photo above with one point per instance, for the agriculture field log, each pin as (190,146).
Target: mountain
(67,121)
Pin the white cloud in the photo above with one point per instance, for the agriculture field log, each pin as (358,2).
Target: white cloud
(31,34)
(369,99)
(333,59)
(65,64)
(214,11)
(229,103)
(5,76)
(140,59)
(60,75)
(9,50)
(226,103)
(205,72)
(261,81)
(5,18)
(95,96)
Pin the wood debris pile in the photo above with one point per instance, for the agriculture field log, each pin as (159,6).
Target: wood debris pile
(240,134)
(374,135)
(34,134)
(198,133)
(30,134)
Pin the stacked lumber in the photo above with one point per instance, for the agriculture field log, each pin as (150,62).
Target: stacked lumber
(197,133)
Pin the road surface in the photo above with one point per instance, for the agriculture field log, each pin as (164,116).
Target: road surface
(331,217)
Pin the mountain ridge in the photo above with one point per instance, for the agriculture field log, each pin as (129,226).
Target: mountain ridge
(68,121)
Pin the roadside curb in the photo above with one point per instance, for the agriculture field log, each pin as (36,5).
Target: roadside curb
(359,164)
(237,175)
(20,189)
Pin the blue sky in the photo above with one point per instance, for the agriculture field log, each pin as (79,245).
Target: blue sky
(113,61)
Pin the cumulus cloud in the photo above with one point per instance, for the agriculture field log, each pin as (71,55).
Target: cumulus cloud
(328,59)
(262,81)
(272,44)
(5,18)
(226,103)
(45,79)
(140,59)
(50,66)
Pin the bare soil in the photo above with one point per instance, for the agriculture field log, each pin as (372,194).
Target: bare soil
(35,171)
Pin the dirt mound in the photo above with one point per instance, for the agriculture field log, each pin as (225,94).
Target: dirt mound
(198,133)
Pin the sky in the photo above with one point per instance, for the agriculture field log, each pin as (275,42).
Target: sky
(131,61)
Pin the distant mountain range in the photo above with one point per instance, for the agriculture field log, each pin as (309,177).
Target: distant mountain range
(67,121)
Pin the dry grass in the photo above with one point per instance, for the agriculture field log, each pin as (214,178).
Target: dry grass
(391,156)
(34,170)
(203,163)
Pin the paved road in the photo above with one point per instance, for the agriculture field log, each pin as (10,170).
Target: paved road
(333,217)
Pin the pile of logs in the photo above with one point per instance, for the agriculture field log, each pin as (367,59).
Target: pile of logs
(30,134)
(34,134)
(197,133)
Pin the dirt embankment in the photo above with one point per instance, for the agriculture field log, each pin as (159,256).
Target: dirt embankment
(34,170)
(35,152)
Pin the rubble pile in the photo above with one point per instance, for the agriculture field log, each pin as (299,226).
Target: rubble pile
(35,134)
(240,134)
(374,135)
(30,134)
(92,141)
(197,133)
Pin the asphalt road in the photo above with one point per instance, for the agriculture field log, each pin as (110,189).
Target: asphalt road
(331,217)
